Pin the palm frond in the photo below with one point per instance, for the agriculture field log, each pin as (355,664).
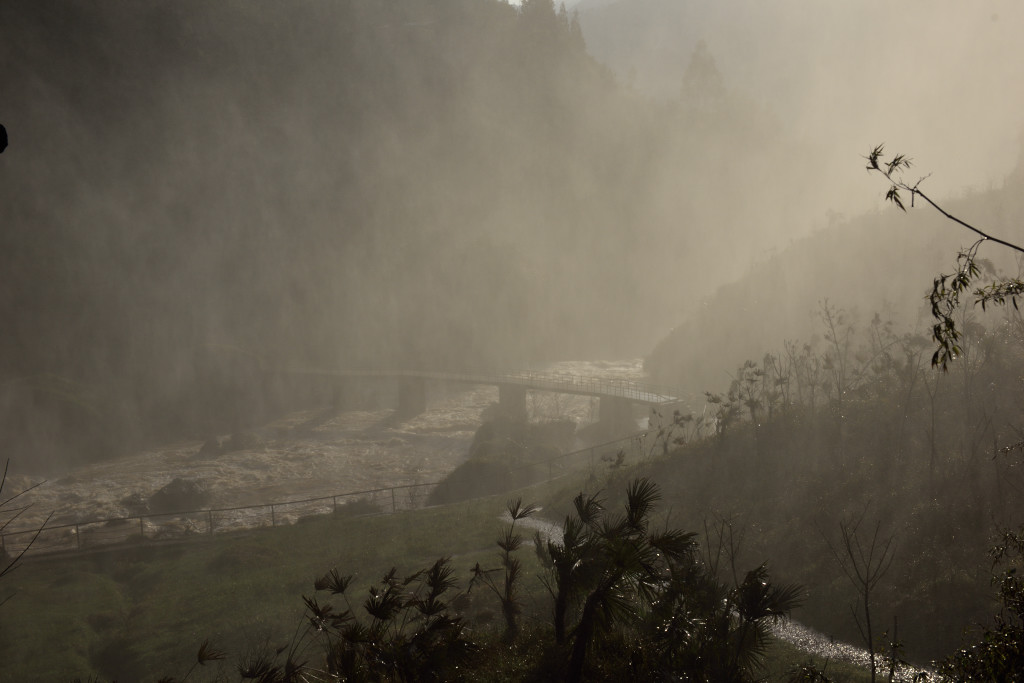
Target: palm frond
(333,582)
(319,615)
(256,665)
(675,543)
(517,510)
(208,653)
(752,647)
(588,508)
(440,576)
(383,605)
(510,542)
(758,600)
(641,495)
(785,599)
(573,534)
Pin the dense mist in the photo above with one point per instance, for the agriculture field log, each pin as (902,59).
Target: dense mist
(196,187)
(931,80)
(245,245)
(935,79)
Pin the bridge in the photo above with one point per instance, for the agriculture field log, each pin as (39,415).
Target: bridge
(617,396)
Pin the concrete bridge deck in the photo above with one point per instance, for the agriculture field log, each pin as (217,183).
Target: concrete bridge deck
(635,392)
(617,395)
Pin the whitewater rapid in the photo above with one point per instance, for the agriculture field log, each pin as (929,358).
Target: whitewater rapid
(305,454)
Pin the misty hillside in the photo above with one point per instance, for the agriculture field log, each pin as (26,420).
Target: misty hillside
(928,77)
(212,211)
(881,263)
(193,187)
(344,185)
(279,178)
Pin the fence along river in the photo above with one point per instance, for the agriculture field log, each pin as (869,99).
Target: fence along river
(309,454)
(97,533)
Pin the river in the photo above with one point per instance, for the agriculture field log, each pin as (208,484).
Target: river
(305,454)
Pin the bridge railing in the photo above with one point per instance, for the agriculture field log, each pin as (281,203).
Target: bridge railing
(623,388)
(546,381)
(207,523)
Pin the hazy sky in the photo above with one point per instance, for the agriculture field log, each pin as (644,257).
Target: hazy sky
(937,80)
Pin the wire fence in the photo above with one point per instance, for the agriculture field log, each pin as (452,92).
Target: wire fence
(196,524)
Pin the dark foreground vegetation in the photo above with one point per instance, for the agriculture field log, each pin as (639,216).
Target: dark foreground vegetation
(858,429)
(771,476)
(902,452)
(622,594)
(628,600)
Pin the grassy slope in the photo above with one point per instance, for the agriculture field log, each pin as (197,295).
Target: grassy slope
(157,604)
(143,611)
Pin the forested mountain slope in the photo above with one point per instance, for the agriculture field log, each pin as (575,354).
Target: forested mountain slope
(881,263)
(191,185)
(194,188)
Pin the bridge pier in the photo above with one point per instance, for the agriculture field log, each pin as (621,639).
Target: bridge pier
(412,396)
(512,400)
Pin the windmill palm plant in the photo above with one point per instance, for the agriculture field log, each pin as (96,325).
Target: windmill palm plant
(507,589)
(615,578)
(410,635)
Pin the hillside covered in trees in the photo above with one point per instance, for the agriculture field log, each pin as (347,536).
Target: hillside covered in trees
(195,192)
(880,262)
(192,189)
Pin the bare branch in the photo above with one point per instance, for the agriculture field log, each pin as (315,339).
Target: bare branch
(946,289)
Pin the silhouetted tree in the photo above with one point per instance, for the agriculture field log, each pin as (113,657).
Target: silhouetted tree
(864,562)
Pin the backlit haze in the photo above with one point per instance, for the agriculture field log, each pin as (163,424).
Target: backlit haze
(463,184)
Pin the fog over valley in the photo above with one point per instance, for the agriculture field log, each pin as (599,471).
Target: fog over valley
(354,185)
(256,251)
